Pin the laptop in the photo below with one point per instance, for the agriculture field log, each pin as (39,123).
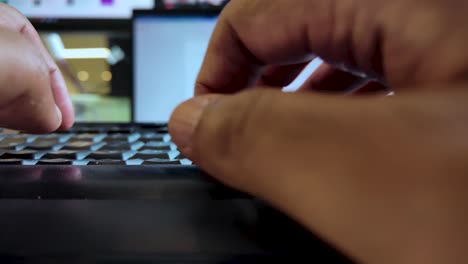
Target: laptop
(120,192)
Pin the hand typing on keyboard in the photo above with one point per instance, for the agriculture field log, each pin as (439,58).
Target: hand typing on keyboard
(383,178)
(33,95)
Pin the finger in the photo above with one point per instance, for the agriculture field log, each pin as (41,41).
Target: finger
(343,168)
(280,76)
(253,150)
(374,37)
(26,101)
(11,19)
(241,45)
(237,54)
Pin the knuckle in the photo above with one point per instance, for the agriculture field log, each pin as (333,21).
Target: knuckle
(4,7)
(236,9)
(13,19)
(234,128)
(8,10)
(33,67)
(27,70)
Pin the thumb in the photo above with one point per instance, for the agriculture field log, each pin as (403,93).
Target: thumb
(294,150)
(342,167)
(280,147)
(260,139)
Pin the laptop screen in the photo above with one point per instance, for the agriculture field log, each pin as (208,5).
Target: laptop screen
(168,52)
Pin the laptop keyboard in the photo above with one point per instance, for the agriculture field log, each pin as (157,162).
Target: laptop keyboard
(93,144)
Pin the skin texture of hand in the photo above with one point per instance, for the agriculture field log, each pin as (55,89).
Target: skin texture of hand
(383,178)
(34,97)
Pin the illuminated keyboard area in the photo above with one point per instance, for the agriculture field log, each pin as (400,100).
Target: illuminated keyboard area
(87,144)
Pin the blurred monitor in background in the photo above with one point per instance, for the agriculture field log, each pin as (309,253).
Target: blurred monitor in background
(91,42)
(80,9)
(97,69)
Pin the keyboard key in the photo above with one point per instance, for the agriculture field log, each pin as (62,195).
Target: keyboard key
(148,137)
(122,137)
(162,130)
(110,154)
(123,145)
(186,162)
(11,162)
(65,132)
(44,145)
(83,145)
(66,154)
(134,162)
(121,130)
(55,162)
(161,162)
(10,139)
(58,138)
(156,154)
(107,162)
(87,129)
(28,138)
(157,145)
(87,137)
(22,154)
(11,146)
(151,126)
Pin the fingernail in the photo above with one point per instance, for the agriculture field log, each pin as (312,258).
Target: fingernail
(185,119)
(59,115)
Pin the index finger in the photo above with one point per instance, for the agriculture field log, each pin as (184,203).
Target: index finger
(243,43)
(13,20)
(346,34)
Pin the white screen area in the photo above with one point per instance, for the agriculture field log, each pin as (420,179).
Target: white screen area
(168,54)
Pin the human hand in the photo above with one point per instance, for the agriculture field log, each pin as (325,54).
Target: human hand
(381,178)
(33,95)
